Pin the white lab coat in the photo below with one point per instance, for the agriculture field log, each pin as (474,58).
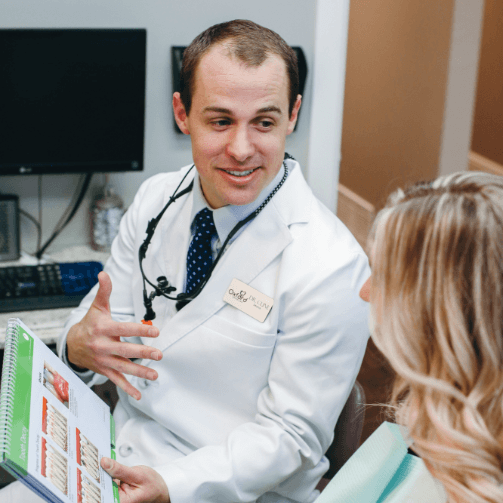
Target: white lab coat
(242,410)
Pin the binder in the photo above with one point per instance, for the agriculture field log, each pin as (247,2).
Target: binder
(54,430)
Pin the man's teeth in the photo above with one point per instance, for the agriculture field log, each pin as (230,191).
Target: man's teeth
(241,173)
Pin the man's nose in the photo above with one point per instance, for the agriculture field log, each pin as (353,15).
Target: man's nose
(240,146)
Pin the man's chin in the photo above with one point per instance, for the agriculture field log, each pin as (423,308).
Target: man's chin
(241,197)
(241,201)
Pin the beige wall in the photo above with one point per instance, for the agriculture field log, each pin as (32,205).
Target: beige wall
(396,76)
(487,137)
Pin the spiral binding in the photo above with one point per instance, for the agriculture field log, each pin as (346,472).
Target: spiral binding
(8,384)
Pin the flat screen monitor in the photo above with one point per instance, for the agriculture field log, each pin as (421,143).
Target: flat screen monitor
(72,100)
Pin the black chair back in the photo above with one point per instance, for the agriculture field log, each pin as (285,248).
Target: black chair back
(347,431)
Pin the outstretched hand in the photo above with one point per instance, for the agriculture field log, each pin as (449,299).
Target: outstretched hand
(95,343)
(138,484)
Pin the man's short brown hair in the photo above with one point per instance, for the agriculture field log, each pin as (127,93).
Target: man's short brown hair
(246,40)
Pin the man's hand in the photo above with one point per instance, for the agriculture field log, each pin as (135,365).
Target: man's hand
(137,484)
(95,343)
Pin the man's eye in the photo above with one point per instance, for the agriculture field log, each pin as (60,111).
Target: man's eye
(221,122)
(266,124)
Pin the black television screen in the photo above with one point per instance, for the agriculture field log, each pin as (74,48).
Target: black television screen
(72,100)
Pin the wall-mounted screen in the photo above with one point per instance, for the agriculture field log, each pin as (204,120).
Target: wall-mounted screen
(72,100)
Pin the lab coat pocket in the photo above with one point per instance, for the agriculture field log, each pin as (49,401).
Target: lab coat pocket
(240,333)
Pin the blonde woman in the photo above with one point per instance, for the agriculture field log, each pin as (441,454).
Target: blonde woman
(436,296)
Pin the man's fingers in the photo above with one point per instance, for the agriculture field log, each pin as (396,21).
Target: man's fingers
(121,382)
(136,351)
(133,476)
(129,329)
(125,366)
(114,367)
(101,301)
(119,471)
(139,484)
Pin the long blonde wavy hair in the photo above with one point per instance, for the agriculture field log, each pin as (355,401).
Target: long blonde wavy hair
(437,297)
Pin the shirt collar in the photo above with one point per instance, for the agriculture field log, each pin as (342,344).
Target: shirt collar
(227,217)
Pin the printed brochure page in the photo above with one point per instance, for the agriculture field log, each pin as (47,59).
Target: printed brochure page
(70,431)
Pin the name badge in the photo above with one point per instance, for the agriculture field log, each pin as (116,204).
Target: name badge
(247,299)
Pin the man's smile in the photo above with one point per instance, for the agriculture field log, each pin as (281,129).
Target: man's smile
(239,173)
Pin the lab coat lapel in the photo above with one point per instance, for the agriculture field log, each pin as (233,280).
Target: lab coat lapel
(247,256)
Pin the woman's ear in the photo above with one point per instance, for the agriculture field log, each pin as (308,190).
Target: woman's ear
(365,290)
(180,114)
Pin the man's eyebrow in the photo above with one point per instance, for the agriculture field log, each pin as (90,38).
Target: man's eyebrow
(226,111)
(217,109)
(266,110)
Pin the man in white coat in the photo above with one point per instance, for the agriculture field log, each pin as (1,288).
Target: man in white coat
(238,399)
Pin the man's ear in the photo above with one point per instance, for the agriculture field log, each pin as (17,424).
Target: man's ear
(180,114)
(293,116)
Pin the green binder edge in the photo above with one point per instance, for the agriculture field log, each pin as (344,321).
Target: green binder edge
(115,486)
(15,397)
(112,431)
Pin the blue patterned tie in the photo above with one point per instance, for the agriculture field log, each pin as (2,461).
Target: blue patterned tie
(199,256)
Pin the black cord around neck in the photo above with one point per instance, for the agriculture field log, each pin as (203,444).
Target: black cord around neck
(183,298)
(163,288)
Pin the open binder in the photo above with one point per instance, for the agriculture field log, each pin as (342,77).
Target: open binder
(54,430)
(382,471)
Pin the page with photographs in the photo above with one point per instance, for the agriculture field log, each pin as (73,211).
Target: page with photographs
(64,428)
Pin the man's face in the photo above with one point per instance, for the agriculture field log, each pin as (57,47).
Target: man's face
(238,124)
